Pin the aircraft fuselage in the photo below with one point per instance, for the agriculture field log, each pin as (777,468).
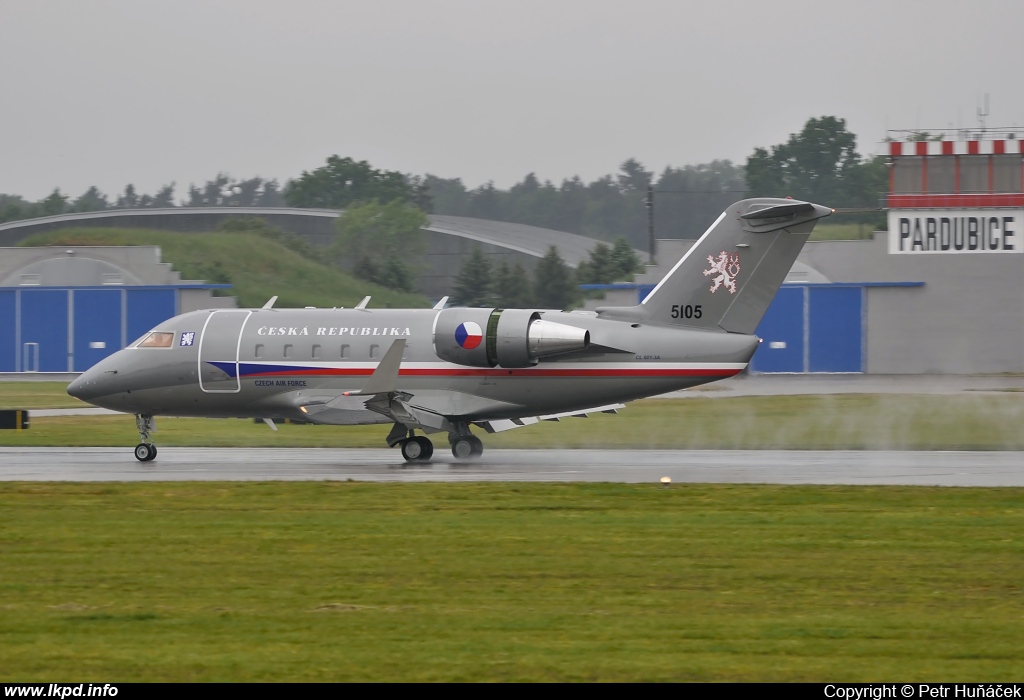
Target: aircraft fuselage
(270,362)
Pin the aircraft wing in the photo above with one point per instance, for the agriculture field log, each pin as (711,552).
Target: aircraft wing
(427,412)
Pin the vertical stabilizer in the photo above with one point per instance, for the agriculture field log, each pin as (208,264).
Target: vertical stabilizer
(731,274)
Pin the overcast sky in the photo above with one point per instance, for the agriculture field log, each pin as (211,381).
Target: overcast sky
(108,92)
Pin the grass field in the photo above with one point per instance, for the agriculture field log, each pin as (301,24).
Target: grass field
(258,267)
(351,581)
(830,231)
(841,421)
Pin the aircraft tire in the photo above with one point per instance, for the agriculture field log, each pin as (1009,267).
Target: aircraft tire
(428,447)
(467,447)
(145,452)
(417,449)
(462,448)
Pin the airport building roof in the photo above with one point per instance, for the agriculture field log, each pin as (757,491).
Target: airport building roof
(530,240)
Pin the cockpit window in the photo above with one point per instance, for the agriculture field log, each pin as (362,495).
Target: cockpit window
(157,339)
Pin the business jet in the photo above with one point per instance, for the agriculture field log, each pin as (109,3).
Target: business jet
(444,371)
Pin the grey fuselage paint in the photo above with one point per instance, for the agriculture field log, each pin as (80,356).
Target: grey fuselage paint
(304,362)
(696,327)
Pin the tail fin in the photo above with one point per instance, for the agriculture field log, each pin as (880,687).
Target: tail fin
(731,274)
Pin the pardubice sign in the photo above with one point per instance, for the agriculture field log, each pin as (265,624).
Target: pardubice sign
(956,231)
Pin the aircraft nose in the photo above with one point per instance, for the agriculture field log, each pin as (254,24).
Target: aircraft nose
(86,387)
(79,388)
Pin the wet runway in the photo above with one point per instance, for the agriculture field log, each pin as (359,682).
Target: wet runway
(627,466)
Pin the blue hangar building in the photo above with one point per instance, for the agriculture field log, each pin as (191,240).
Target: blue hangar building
(65,309)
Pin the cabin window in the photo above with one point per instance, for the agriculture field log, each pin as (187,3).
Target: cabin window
(157,340)
(259,352)
(316,352)
(288,351)
(344,352)
(374,351)
(405,352)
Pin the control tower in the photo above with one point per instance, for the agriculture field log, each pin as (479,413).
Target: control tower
(956,192)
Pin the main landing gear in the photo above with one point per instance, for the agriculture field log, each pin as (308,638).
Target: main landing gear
(145,451)
(417,449)
(466,446)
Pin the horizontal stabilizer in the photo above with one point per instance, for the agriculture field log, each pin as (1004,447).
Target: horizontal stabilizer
(770,212)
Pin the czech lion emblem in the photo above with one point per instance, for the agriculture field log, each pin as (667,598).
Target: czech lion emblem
(726,266)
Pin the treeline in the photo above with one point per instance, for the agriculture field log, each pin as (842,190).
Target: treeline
(221,191)
(820,163)
(553,284)
(686,199)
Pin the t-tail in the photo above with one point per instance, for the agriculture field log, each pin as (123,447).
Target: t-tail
(731,274)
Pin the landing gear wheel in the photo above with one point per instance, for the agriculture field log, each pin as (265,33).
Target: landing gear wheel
(144,452)
(428,448)
(417,449)
(467,447)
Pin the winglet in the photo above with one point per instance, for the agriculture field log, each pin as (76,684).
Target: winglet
(385,377)
(270,303)
(440,304)
(362,305)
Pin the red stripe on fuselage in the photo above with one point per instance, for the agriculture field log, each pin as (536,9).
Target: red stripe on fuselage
(639,372)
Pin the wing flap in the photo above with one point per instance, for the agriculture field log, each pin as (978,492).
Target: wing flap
(500,426)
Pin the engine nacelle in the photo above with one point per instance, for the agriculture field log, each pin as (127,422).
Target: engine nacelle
(502,337)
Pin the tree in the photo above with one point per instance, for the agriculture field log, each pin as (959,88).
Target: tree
(634,177)
(818,164)
(473,283)
(55,203)
(554,286)
(687,200)
(607,265)
(90,200)
(600,268)
(128,200)
(379,239)
(625,259)
(14,208)
(271,195)
(447,196)
(164,197)
(512,287)
(343,181)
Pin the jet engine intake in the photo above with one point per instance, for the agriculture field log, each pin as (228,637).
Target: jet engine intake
(502,337)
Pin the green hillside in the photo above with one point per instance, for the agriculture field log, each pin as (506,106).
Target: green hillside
(257,266)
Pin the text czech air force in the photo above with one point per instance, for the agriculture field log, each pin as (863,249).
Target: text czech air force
(960,231)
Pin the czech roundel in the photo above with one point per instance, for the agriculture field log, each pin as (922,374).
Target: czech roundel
(468,335)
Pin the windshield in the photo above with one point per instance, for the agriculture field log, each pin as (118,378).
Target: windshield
(156,339)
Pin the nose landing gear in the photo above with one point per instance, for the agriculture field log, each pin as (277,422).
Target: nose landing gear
(145,451)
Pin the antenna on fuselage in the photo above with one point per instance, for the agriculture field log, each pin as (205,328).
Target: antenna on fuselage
(440,304)
(270,303)
(362,305)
